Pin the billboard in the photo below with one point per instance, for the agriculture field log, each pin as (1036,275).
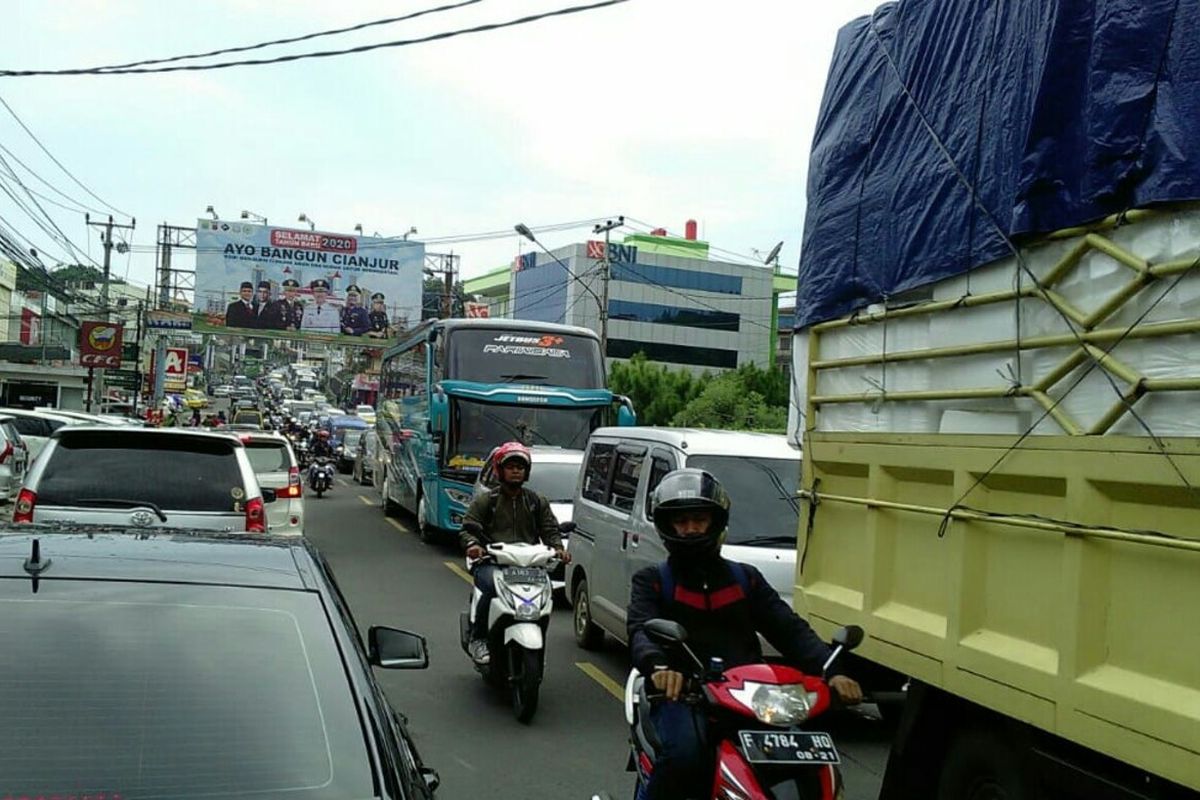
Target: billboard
(175,369)
(100,344)
(258,280)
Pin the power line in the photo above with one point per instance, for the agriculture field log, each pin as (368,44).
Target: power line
(291,40)
(80,207)
(491,26)
(64,239)
(55,160)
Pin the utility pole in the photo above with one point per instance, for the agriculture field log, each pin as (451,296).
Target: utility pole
(107,240)
(605,272)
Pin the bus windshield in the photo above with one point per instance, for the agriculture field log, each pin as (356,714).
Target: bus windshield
(476,428)
(497,355)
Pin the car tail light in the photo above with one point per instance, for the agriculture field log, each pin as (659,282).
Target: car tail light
(256,521)
(6,452)
(23,510)
(294,487)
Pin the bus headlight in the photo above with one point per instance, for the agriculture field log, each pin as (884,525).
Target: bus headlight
(458,496)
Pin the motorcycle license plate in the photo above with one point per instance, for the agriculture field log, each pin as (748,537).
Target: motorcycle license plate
(788,747)
(524,575)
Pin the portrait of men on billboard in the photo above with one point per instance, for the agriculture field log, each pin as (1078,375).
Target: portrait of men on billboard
(240,313)
(319,316)
(262,301)
(354,317)
(286,313)
(377,318)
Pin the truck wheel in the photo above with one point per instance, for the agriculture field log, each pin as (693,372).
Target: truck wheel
(588,634)
(981,765)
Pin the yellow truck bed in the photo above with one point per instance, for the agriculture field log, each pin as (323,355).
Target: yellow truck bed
(1089,629)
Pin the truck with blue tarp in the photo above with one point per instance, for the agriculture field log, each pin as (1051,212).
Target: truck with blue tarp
(997,387)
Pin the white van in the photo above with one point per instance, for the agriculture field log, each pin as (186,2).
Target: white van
(614,535)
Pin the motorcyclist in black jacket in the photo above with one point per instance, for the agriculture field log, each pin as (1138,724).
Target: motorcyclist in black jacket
(723,605)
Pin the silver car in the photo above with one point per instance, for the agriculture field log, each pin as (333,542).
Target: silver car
(144,477)
(14,459)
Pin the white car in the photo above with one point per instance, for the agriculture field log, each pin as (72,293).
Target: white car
(366,413)
(275,467)
(36,427)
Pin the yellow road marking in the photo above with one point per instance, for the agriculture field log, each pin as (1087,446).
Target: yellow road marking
(396,525)
(459,571)
(601,677)
(365,500)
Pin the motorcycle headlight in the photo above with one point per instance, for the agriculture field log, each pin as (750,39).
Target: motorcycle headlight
(773,704)
(458,496)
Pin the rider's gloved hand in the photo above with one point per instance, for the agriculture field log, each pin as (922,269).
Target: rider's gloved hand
(668,681)
(848,690)
(474,551)
(563,555)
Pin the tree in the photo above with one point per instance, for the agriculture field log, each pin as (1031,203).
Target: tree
(431,299)
(658,393)
(748,398)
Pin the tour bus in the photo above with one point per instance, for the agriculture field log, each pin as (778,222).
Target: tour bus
(452,389)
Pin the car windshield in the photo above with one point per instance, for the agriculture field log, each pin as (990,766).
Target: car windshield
(763,493)
(195,473)
(165,690)
(268,457)
(476,428)
(499,355)
(554,480)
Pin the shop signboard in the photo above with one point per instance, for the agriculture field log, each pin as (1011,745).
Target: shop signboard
(100,344)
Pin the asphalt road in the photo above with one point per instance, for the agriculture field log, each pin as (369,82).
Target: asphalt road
(576,745)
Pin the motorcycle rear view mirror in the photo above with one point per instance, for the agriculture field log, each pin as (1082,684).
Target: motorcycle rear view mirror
(848,636)
(566,527)
(665,631)
(392,648)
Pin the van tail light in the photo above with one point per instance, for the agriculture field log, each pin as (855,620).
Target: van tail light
(6,452)
(23,509)
(256,520)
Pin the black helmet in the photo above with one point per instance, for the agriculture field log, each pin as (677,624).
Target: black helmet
(690,490)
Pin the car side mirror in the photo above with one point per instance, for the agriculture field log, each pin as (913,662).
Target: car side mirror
(431,778)
(566,527)
(392,648)
(848,636)
(269,496)
(626,416)
(665,631)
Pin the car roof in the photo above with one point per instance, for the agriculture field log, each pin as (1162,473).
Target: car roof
(26,412)
(706,441)
(200,557)
(74,431)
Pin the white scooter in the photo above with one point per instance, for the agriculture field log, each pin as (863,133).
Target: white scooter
(518,617)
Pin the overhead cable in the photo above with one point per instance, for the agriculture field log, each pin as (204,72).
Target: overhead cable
(491,26)
(57,162)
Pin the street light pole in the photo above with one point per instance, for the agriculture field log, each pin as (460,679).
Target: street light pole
(605,270)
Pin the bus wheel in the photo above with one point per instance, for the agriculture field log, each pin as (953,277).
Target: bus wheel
(425,531)
(389,506)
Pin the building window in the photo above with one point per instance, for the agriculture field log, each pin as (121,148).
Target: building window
(694,280)
(674,353)
(668,315)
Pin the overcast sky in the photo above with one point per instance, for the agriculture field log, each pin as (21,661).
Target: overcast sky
(661,110)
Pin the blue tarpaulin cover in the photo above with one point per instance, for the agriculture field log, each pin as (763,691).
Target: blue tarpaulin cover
(1054,112)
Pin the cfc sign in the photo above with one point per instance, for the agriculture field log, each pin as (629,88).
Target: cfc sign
(100,345)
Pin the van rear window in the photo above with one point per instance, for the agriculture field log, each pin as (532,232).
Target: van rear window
(173,472)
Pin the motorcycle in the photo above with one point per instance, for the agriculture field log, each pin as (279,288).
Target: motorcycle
(320,476)
(517,621)
(757,714)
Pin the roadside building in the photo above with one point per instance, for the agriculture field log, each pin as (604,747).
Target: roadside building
(667,298)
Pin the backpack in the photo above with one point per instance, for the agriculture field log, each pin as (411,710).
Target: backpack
(666,579)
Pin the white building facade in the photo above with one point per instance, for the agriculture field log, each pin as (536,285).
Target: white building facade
(682,311)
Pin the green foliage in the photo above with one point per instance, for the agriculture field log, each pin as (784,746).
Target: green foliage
(748,398)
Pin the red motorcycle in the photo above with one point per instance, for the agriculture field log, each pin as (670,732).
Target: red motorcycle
(757,721)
